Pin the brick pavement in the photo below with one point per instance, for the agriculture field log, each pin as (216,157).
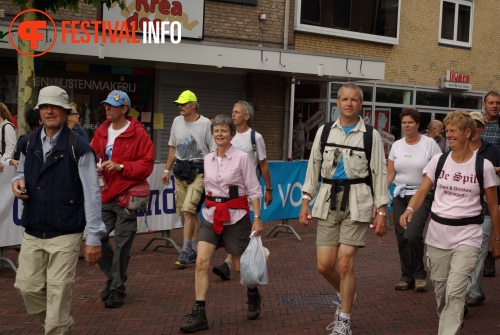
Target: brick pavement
(296,301)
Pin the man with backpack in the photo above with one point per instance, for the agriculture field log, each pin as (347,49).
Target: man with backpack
(251,142)
(57,181)
(491,133)
(348,157)
(475,292)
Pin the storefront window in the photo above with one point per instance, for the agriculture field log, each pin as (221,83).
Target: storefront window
(466,101)
(309,113)
(394,95)
(433,99)
(87,85)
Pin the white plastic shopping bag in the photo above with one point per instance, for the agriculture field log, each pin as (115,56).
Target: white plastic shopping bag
(253,267)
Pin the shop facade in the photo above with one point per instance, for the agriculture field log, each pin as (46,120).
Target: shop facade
(382,105)
(221,67)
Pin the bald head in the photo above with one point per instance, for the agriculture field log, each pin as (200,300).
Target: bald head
(435,128)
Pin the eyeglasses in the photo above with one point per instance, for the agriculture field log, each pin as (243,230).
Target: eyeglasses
(74,114)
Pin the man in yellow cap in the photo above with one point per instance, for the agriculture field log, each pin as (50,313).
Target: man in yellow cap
(190,140)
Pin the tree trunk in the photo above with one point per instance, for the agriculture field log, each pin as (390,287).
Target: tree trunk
(25,74)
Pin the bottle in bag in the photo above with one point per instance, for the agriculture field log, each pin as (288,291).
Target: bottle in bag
(102,182)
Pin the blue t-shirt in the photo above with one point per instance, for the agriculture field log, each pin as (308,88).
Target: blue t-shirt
(340,171)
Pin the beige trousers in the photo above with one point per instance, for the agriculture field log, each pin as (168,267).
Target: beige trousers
(450,272)
(45,278)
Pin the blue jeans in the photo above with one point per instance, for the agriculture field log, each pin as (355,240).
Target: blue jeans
(475,285)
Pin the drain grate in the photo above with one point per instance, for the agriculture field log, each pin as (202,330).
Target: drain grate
(306,300)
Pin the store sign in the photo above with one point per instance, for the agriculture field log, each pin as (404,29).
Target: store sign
(459,81)
(188,13)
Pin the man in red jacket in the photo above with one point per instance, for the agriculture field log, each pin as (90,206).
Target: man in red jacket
(127,155)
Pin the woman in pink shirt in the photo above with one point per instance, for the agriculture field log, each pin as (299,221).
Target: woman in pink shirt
(454,235)
(229,180)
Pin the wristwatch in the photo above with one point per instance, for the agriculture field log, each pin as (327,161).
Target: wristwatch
(382,213)
(122,167)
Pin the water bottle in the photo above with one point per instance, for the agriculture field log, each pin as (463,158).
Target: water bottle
(102,182)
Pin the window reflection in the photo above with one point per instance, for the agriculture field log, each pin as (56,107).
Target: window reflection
(367,17)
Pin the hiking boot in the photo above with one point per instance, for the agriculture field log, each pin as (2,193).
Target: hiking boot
(420,285)
(107,289)
(489,266)
(222,271)
(182,259)
(473,302)
(191,257)
(253,305)
(197,320)
(403,286)
(340,327)
(115,299)
(69,326)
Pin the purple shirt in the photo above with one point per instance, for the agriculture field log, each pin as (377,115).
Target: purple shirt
(235,168)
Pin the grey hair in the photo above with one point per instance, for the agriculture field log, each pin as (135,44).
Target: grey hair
(224,120)
(197,106)
(247,108)
(353,87)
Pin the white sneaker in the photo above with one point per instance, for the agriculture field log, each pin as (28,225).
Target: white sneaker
(340,327)
(338,305)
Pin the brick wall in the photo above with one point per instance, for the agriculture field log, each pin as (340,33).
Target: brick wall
(85,12)
(240,24)
(267,93)
(418,59)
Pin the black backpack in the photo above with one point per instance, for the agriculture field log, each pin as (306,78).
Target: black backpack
(3,137)
(254,147)
(479,173)
(367,146)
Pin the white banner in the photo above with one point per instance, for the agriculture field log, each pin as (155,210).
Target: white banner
(160,215)
(10,234)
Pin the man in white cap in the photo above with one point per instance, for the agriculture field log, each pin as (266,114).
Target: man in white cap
(127,155)
(190,140)
(474,295)
(57,180)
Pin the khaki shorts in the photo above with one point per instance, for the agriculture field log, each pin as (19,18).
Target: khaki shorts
(187,196)
(235,236)
(339,229)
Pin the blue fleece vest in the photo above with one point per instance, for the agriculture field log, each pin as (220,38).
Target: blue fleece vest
(56,203)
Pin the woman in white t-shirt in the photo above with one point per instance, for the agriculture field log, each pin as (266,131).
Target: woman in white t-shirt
(407,159)
(8,136)
(454,235)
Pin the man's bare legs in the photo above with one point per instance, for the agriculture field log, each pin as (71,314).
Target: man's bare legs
(336,265)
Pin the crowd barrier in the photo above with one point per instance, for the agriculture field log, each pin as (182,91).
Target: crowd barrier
(287,179)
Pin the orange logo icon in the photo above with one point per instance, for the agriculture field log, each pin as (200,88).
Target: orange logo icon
(31,31)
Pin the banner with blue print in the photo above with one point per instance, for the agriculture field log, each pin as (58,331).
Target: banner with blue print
(287,179)
(159,216)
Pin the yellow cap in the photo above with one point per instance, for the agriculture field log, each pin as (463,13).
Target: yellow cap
(186,96)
